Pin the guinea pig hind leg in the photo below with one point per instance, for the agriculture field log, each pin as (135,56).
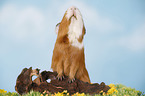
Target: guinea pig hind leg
(60,75)
(73,71)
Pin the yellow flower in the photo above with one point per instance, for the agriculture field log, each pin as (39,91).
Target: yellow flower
(3,91)
(101,91)
(111,85)
(58,94)
(112,89)
(44,95)
(79,94)
(65,91)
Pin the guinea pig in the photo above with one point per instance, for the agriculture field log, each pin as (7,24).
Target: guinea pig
(68,55)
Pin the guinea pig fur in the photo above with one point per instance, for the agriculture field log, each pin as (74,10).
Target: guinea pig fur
(68,55)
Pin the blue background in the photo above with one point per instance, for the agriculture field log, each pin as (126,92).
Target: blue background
(114,41)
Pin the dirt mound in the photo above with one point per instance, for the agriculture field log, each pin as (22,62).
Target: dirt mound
(25,84)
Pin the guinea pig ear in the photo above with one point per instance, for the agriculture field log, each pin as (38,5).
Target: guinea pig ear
(57,28)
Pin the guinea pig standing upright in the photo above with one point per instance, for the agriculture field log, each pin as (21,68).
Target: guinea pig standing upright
(68,55)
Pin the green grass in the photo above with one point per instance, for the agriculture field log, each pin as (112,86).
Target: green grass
(122,91)
(125,91)
(9,94)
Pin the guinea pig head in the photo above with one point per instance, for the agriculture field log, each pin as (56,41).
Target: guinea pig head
(72,19)
(71,25)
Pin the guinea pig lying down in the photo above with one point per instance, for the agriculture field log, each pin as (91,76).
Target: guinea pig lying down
(68,55)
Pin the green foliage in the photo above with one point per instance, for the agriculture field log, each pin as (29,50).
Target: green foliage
(32,93)
(122,91)
(9,94)
(128,91)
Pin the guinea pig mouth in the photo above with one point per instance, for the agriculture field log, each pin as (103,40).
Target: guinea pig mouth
(73,16)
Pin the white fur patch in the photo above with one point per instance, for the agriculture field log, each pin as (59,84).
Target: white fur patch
(78,44)
(75,27)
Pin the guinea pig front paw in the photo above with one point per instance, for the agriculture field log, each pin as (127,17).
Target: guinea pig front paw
(71,80)
(60,78)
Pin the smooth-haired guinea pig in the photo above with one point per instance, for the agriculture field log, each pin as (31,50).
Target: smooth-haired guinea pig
(68,55)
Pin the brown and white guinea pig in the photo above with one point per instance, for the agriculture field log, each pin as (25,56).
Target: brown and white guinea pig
(68,55)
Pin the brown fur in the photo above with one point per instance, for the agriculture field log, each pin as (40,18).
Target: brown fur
(69,60)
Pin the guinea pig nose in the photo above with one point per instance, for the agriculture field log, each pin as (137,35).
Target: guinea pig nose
(73,8)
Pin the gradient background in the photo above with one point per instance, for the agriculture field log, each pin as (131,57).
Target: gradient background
(114,40)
